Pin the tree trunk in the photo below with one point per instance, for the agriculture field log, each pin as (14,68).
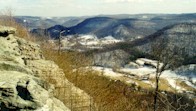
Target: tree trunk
(156,86)
(156,94)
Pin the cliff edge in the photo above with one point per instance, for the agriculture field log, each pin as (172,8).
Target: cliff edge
(19,88)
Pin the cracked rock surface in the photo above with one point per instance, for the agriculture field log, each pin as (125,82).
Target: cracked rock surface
(20,87)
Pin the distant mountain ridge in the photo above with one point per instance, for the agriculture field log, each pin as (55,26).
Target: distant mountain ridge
(104,26)
(101,27)
(128,27)
(52,32)
(182,35)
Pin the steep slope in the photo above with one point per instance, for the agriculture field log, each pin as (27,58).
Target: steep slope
(29,82)
(73,21)
(128,29)
(104,26)
(54,32)
(90,25)
(181,35)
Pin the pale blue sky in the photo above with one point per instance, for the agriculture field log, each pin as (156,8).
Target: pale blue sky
(96,7)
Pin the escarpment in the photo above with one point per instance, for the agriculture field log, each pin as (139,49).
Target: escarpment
(29,82)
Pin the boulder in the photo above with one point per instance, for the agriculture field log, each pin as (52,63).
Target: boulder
(19,91)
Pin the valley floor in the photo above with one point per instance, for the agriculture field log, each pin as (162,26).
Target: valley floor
(144,78)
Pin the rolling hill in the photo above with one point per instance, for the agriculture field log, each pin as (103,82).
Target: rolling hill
(128,27)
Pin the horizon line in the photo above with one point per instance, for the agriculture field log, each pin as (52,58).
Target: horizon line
(108,15)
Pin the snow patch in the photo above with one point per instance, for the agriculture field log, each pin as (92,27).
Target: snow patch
(149,82)
(132,82)
(172,74)
(142,70)
(190,84)
(87,37)
(139,71)
(107,72)
(89,40)
(174,85)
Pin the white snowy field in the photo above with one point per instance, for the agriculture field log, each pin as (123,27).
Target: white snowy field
(90,41)
(146,75)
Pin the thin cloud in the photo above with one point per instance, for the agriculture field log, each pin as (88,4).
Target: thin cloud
(129,1)
(34,3)
(96,7)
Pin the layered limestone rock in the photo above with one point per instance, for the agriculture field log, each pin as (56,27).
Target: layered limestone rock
(19,91)
(23,76)
(19,88)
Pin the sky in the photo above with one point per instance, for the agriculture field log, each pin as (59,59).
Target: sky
(51,8)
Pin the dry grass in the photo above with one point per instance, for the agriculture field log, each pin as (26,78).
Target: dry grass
(6,19)
(108,95)
(143,85)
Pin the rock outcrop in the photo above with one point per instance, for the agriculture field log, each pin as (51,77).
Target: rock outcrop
(23,76)
(19,88)
(19,91)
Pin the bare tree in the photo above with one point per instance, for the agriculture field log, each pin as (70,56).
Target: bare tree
(60,37)
(168,57)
